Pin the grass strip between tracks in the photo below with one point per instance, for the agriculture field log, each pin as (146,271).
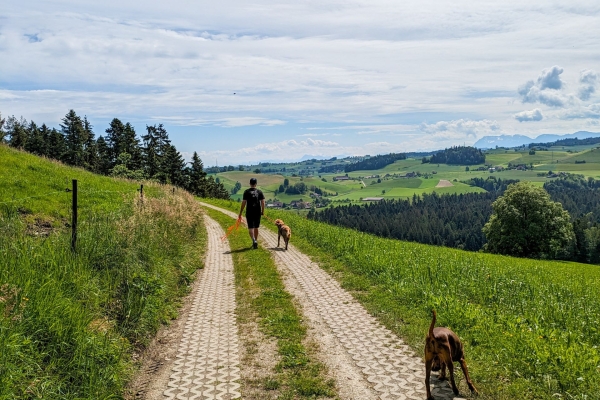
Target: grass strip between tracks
(298,374)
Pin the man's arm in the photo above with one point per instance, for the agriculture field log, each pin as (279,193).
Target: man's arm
(242,208)
(262,207)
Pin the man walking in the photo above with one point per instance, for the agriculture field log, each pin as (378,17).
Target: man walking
(254,202)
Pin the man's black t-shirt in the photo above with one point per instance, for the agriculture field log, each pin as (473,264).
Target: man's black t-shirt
(253,196)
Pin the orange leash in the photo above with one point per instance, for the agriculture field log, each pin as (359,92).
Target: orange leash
(232,228)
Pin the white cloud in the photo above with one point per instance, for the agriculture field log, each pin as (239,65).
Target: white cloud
(588,81)
(377,65)
(591,111)
(463,127)
(532,115)
(546,89)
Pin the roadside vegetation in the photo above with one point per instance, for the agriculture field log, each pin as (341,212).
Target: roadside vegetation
(70,322)
(529,327)
(297,375)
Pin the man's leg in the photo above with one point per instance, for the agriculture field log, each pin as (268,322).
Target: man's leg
(256,234)
(251,233)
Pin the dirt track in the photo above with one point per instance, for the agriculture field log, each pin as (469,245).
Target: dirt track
(367,360)
(198,356)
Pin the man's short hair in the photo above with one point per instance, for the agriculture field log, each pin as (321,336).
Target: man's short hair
(253,181)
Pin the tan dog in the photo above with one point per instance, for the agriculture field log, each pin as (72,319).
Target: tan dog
(442,348)
(283,231)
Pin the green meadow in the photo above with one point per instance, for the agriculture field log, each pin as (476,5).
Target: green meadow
(70,322)
(529,327)
(365,183)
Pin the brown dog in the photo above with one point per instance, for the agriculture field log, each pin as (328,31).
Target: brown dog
(442,348)
(283,231)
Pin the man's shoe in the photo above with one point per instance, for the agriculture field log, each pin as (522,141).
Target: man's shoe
(255,245)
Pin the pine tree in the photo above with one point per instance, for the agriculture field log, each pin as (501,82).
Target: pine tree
(104,152)
(91,159)
(56,145)
(2,131)
(131,145)
(114,140)
(171,166)
(155,142)
(75,139)
(197,177)
(35,140)
(17,132)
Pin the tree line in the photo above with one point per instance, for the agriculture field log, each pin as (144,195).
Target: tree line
(459,220)
(119,152)
(568,142)
(457,155)
(452,220)
(377,162)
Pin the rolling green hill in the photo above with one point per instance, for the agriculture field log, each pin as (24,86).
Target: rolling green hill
(565,159)
(69,322)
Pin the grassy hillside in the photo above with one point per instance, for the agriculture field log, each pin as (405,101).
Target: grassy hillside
(529,327)
(69,322)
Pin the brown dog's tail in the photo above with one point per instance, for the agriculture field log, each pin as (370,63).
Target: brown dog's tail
(432,323)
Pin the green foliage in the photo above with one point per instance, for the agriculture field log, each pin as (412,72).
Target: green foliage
(458,155)
(525,222)
(376,162)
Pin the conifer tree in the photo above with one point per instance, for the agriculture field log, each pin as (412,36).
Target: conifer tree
(2,132)
(17,132)
(171,166)
(197,177)
(75,139)
(56,145)
(91,159)
(35,140)
(104,163)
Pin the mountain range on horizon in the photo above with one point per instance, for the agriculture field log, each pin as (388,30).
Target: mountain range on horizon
(490,142)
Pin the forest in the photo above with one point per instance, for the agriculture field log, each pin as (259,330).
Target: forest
(456,220)
(458,155)
(120,152)
(568,142)
(377,162)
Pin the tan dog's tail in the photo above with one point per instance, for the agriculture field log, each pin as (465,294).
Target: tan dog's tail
(432,323)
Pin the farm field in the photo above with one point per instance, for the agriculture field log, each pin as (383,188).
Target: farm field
(528,326)
(395,187)
(70,322)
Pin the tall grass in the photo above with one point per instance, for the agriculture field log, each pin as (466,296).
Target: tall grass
(69,322)
(530,327)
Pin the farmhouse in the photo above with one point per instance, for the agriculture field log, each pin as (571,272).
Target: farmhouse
(275,204)
(340,178)
(372,198)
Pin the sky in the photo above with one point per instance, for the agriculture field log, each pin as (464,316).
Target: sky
(244,81)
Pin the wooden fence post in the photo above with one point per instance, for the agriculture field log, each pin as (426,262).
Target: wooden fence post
(74,218)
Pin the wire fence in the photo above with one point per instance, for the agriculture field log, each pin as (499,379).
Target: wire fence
(74,202)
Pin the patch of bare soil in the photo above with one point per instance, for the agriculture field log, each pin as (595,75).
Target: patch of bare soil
(40,228)
(444,183)
(156,361)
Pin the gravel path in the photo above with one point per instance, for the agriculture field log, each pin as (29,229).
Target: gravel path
(387,368)
(207,364)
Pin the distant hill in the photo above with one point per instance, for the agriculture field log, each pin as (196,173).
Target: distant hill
(490,142)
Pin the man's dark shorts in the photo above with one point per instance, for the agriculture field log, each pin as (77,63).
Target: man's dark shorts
(253,221)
